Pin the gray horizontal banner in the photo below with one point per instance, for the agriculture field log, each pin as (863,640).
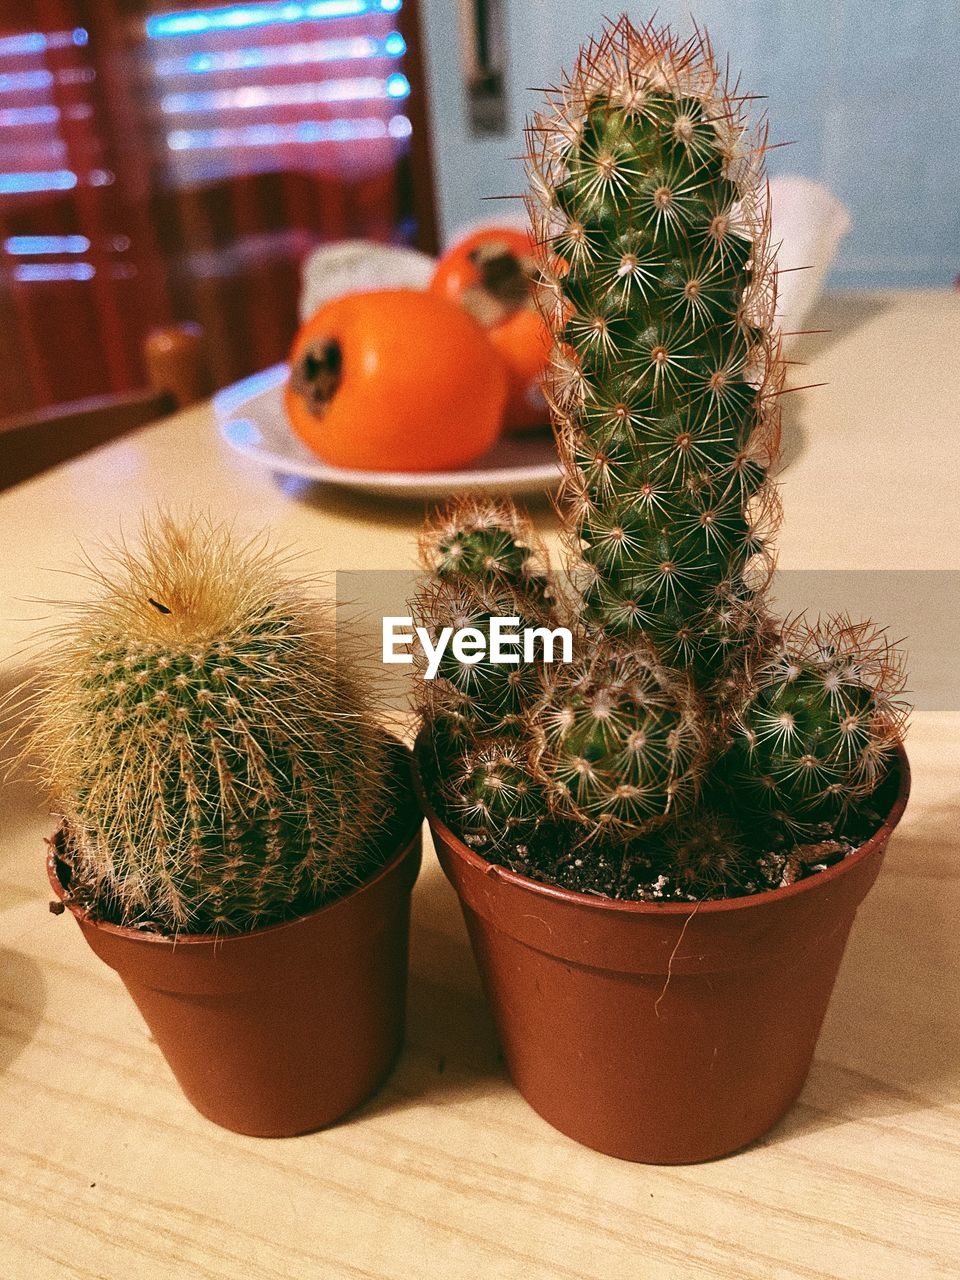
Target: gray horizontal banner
(919,608)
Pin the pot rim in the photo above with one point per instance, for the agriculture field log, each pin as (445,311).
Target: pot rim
(405,846)
(617,906)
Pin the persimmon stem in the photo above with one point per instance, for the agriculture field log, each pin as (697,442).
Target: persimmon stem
(317,374)
(503,284)
(502,274)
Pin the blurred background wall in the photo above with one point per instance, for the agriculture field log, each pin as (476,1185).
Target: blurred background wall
(177,160)
(170,160)
(868,89)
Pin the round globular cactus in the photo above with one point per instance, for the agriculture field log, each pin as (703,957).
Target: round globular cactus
(616,744)
(820,726)
(488,549)
(491,796)
(487,543)
(483,697)
(216,767)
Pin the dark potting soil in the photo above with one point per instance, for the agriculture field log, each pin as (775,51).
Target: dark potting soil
(641,872)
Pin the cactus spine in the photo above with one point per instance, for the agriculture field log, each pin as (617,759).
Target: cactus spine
(216,767)
(694,729)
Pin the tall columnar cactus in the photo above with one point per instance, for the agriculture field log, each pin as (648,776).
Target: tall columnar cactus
(693,729)
(646,196)
(216,767)
(491,795)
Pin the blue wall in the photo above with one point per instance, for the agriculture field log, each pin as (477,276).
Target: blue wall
(869,89)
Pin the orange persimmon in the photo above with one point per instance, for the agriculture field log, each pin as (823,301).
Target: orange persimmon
(397,380)
(491,273)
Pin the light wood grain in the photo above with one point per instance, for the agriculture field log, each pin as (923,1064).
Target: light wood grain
(107,1172)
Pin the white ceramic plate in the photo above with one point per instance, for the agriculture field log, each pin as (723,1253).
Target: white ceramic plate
(251,418)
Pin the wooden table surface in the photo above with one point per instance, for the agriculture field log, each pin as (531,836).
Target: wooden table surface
(108,1173)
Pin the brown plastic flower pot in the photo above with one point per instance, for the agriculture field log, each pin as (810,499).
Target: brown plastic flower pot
(285,1029)
(661,1033)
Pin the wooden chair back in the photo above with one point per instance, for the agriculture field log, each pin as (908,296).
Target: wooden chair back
(176,365)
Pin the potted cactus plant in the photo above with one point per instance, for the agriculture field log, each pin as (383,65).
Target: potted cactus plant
(238,839)
(660,845)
